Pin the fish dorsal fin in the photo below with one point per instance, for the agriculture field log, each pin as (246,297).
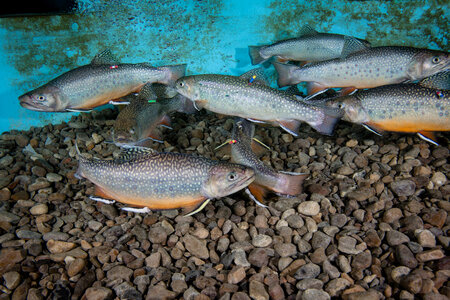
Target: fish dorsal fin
(147,92)
(293,90)
(103,58)
(255,76)
(307,30)
(134,152)
(352,45)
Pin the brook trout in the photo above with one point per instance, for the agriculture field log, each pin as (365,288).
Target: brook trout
(369,68)
(440,80)
(308,47)
(93,85)
(266,178)
(142,177)
(400,107)
(248,96)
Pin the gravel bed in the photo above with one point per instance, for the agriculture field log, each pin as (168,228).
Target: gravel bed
(372,222)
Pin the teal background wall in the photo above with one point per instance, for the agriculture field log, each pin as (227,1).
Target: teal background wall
(210,36)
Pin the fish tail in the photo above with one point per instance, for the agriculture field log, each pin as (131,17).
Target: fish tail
(255,55)
(289,183)
(285,74)
(174,73)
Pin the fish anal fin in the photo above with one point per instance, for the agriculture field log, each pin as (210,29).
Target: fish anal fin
(196,206)
(165,121)
(374,127)
(258,191)
(315,88)
(428,136)
(290,126)
(102,193)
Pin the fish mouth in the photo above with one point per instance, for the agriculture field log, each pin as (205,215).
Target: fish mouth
(242,183)
(33,106)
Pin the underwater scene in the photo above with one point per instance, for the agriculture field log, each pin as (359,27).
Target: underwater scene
(225,150)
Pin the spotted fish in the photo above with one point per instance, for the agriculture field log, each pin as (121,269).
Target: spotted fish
(440,80)
(243,151)
(142,177)
(249,96)
(95,84)
(308,47)
(137,122)
(400,107)
(368,68)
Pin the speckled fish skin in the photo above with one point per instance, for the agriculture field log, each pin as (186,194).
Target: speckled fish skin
(138,120)
(399,107)
(368,68)
(93,85)
(265,176)
(145,178)
(311,48)
(235,96)
(440,80)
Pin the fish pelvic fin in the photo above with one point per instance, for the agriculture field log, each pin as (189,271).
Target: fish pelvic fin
(257,193)
(326,123)
(255,55)
(289,183)
(173,73)
(285,74)
(428,136)
(314,89)
(290,126)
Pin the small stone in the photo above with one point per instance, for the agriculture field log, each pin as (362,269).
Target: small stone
(347,244)
(119,272)
(59,246)
(399,272)
(425,238)
(435,218)
(412,282)
(276,292)
(331,270)
(295,221)
(392,215)
(257,290)
(344,264)
(39,209)
(405,257)
(6,161)
(430,255)
(309,208)
(320,240)
(236,275)
(196,247)
(403,187)
(95,225)
(240,258)
(362,261)
(153,260)
(395,238)
(76,266)
(309,283)
(98,293)
(11,279)
(53,177)
(372,239)
(338,220)
(9,257)
(261,241)
(307,271)
(439,179)
(157,235)
(285,249)
(334,286)
(258,257)
(5,194)
(313,294)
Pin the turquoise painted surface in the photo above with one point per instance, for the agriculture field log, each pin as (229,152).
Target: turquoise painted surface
(210,36)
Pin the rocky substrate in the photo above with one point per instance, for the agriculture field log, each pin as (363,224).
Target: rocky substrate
(372,222)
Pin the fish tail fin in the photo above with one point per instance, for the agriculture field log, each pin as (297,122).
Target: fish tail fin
(173,73)
(285,74)
(255,55)
(289,183)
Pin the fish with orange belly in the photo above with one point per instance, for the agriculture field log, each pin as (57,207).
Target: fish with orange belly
(243,151)
(410,108)
(100,82)
(367,68)
(143,177)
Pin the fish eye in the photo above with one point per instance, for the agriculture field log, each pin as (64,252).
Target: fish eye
(41,98)
(232,176)
(341,105)
(132,131)
(436,60)
(181,84)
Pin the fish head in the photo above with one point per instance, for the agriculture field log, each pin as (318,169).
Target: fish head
(45,98)
(125,131)
(427,63)
(351,108)
(226,178)
(187,86)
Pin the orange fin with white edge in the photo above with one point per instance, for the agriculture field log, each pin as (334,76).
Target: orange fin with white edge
(165,122)
(290,126)
(289,183)
(102,196)
(347,91)
(196,207)
(428,136)
(373,127)
(281,59)
(315,88)
(258,192)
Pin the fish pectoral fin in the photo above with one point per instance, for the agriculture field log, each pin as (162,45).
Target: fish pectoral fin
(347,91)
(199,104)
(256,121)
(119,102)
(315,89)
(352,45)
(257,193)
(193,209)
(290,126)
(165,121)
(373,128)
(258,147)
(428,136)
